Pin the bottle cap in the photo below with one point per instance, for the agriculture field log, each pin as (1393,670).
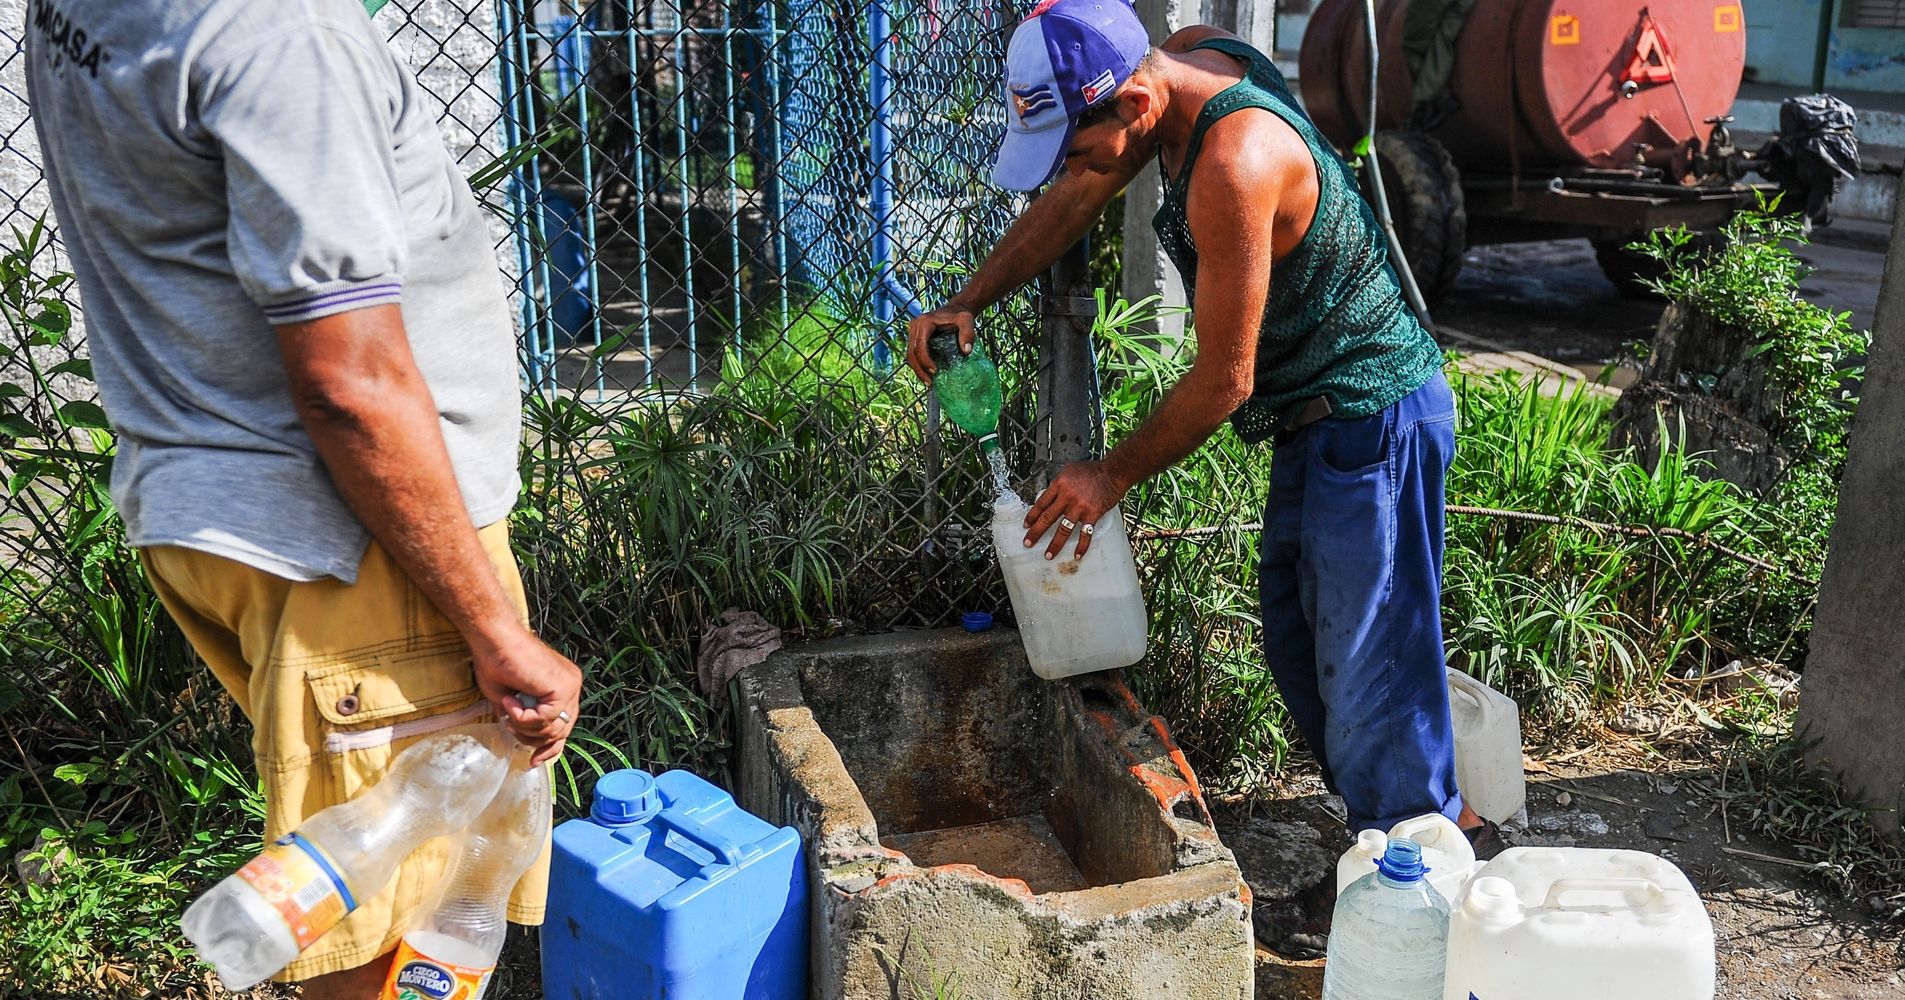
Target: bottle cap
(624,797)
(942,345)
(1493,899)
(1402,861)
(976,621)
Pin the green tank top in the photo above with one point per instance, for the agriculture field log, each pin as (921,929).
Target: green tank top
(1335,324)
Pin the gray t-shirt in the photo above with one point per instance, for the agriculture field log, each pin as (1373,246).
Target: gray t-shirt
(219,167)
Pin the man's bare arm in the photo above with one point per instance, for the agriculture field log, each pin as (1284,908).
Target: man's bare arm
(370,414)
(1232,208)
(1054,222)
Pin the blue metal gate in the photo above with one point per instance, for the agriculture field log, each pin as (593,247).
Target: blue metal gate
(698,174)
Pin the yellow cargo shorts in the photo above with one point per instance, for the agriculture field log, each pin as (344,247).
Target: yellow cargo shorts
(338,679)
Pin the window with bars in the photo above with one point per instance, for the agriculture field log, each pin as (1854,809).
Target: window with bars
(1873,14)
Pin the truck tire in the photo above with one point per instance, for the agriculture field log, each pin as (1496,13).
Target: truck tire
(1629,271)
(1426,204)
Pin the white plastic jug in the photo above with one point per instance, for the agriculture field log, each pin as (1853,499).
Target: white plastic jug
(1573,923)
(1075,615)
(1445,851)
(1487,748)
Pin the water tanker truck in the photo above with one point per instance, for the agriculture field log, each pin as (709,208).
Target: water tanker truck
(1501,121)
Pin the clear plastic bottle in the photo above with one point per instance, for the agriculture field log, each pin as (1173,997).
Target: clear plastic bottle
(1389,937)
(453,948)
(258,919)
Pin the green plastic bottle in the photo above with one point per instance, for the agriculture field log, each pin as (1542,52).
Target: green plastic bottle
(967,386)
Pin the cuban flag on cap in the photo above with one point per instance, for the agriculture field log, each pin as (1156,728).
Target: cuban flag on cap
(1065,57)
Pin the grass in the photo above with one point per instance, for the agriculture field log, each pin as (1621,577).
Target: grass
(102,919)
(1768,787)
(1567,617)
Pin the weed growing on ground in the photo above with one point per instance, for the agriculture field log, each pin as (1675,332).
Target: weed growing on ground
(1770,788)
(1568,616)
(127,779)
(1205,669)
(99,914)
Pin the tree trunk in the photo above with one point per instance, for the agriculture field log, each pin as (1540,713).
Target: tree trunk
(1701,388)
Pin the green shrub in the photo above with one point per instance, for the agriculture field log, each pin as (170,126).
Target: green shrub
(1570,615)
(1751,281)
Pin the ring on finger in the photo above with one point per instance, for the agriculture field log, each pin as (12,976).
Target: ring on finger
(1087,529)
(563,716)
(1066,522)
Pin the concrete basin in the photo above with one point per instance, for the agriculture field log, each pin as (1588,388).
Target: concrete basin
(971,826)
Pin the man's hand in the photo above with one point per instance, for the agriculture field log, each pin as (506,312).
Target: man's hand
(924,326)
(372,419)
(1083,492)
(521,664)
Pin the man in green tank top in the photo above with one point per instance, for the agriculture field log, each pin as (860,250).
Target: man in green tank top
(1303,338)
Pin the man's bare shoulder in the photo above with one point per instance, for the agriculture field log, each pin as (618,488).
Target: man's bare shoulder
(1185,39)
(1251,159)
(1256,141)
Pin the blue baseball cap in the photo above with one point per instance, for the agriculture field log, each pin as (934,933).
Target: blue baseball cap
(1065,57)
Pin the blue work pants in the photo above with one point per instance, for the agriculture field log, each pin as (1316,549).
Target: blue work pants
(1351,589)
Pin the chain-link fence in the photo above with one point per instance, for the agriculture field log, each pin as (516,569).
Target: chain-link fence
(703,169)
(720,201)
(701,202)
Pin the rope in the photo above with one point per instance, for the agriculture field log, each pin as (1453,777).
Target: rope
(1631,531)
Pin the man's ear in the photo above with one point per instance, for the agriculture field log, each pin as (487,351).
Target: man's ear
(1134,102)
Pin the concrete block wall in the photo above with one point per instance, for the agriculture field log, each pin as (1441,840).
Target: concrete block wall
(893,754)
(23,194)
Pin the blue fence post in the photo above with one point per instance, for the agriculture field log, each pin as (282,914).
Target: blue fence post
(769,118)
(515,68)
(571,295)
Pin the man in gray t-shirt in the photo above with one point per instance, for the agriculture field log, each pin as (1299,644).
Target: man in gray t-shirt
(299,334)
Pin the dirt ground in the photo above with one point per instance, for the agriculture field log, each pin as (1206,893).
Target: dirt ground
(1780,932)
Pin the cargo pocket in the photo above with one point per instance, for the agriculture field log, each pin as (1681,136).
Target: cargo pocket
(379,703)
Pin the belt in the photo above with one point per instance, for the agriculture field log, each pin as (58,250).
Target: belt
(1314,409)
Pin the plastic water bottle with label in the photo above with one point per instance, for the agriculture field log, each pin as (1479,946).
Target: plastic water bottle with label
(1389,937)
(452,950)
(261,917)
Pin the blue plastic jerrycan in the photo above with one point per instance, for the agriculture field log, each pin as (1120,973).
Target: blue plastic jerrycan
(669,889)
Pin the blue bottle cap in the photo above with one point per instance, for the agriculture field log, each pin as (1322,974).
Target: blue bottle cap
(976,621)
(624,797)
(1402,861)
